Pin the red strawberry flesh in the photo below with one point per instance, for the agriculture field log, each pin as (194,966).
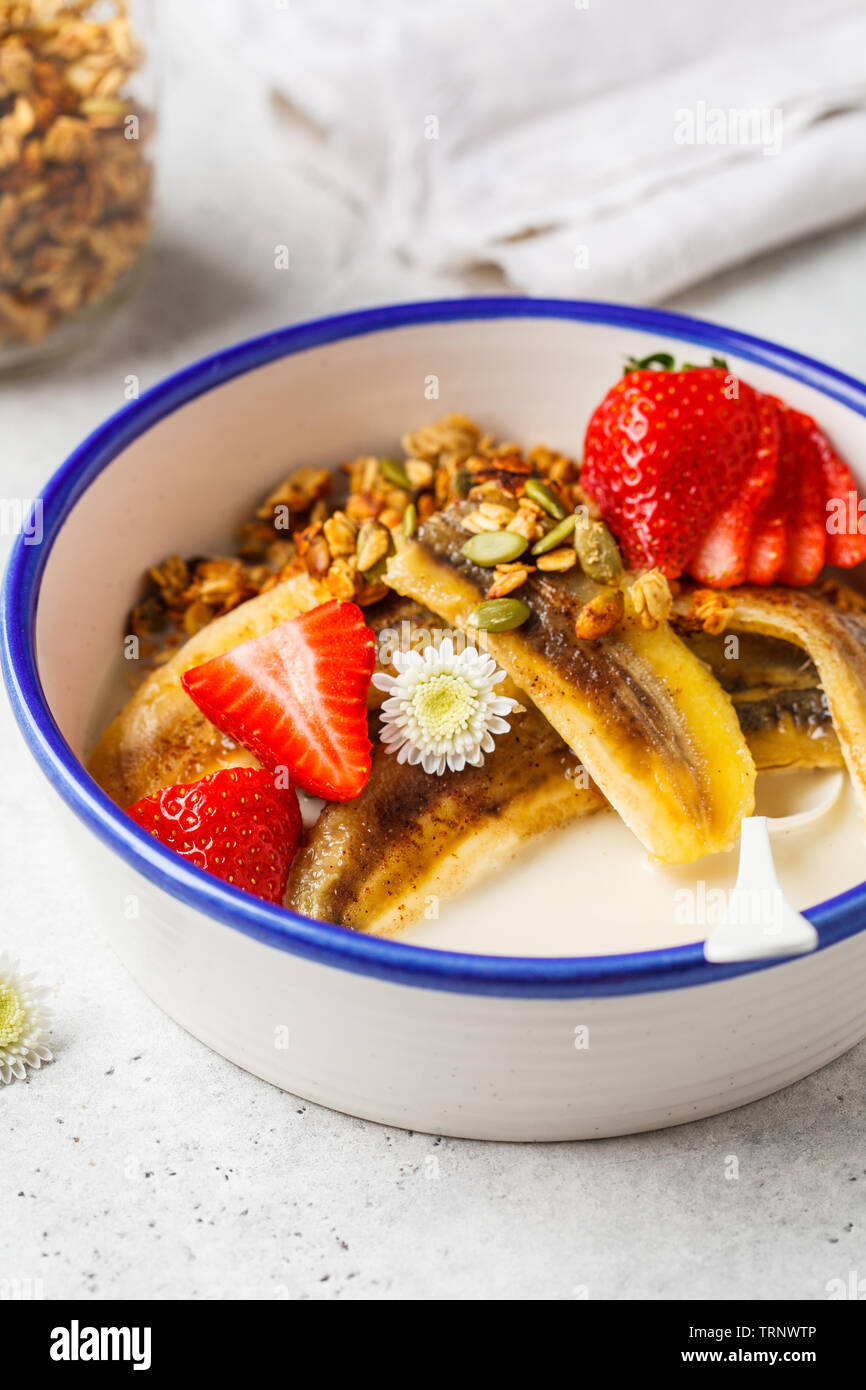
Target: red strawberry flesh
(806,518)
(296,698)
(846,544)
(770,544)
(722,558)
(237,824)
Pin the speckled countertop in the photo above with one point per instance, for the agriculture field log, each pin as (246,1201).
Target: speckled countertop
(139,1163)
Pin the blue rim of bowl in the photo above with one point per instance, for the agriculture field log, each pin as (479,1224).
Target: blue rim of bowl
(386,959)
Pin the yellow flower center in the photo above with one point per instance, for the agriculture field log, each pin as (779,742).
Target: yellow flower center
(11,1017)
(444,704)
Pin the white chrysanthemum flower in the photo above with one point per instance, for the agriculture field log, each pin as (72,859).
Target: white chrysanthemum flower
(441,710)
(24,1021)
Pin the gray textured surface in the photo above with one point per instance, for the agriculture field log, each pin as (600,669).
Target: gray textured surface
(139,1164)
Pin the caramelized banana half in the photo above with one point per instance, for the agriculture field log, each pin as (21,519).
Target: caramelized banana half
(774,685)
(376,863)
(648,721)
(835,641)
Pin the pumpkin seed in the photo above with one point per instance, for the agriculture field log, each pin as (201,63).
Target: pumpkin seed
(410,520)
(499,614)
(377,572)
(555,537)
(597,550)
(462,482)
(539,492)
(491,548)
(395,473)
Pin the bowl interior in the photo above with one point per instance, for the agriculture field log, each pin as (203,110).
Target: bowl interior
(187,481)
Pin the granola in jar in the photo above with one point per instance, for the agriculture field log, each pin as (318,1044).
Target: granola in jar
(75,171)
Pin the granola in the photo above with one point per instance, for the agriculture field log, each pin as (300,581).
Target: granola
(708,611)
(652,598)
(75,180)
(600,616)
(343,536)
(508,578)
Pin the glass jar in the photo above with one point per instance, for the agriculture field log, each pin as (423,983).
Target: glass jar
(76,174)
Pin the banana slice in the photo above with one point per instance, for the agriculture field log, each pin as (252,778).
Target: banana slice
(377,864)
(783,711)
(649,722)
(754,660)
(161,736)
(835,641)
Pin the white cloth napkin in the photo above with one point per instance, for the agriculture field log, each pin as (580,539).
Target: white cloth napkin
(588,148)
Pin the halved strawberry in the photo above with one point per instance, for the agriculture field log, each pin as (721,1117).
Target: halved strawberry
(296,698)
(806,515)
(770,537)
(694,470)
(845,546)
(770,542)
(769,545)
(787,540)
(236,824)
(664,453)
(722,558)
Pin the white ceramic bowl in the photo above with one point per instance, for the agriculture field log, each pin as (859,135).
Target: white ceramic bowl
(460,1044)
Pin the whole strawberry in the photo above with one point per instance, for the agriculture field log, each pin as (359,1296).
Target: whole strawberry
(665,451)
(237,824)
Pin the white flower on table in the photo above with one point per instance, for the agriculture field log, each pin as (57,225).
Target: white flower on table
(442,710)
(24,1021)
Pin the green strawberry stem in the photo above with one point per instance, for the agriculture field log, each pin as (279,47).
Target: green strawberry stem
(664,362)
